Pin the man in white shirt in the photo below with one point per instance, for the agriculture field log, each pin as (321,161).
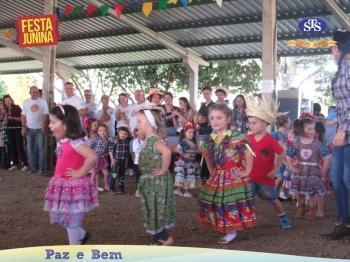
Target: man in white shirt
(34,121)
(140,99)
(90,105)
(107,115)
(73,99)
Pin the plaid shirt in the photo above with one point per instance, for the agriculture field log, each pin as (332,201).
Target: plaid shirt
(3,135)
(341,92)
(119,148)
(100,146)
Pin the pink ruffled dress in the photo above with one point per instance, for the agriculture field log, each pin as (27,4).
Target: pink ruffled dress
(66,198)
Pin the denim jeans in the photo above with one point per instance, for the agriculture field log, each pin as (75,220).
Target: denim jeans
(340,177)
(35,149)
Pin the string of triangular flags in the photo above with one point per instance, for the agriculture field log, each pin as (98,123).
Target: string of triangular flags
(145,7)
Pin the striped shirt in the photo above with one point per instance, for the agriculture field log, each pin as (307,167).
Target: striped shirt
(341,92)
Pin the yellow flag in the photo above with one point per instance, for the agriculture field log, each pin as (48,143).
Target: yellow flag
(147,8)
(7,33)
(172,2)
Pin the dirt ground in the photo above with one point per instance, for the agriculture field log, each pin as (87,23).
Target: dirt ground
(23,223)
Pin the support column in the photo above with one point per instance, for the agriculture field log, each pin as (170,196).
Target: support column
(192,68)
(269,54)
(49,63)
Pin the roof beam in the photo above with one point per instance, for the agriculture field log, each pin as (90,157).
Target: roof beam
(304,52)
(188,44)
(183,52)
(341,16)
(34,54)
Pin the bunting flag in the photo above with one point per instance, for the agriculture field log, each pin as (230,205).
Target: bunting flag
(184,2)
(68,10)
(172,2)
(147,8)
(7,33)
(219,2)
(118,9)
(91,9)
(163,4)
(136,5)
(78,9)
(58,12)
(104,10)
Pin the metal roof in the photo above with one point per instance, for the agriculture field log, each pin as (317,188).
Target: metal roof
(230,32)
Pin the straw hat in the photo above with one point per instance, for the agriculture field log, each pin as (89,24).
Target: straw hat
(223,89)
(154,91)
(261,109)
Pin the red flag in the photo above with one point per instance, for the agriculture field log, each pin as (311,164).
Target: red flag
(118,8)
(68,10)
(91,9)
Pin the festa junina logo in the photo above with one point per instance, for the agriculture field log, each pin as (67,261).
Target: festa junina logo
(312,26)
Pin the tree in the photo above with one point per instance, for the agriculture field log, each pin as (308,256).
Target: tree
(238,76)
(3,88)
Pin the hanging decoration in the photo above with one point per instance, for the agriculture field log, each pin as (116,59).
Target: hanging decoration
(104,10)
(118,9)
(184,3)
(78,9)
(136,5)
(91,10)
(172,2)
(68,10)
(219,2)
(7,33)
(163,4)
(58,12)
(39,30)
(147,8)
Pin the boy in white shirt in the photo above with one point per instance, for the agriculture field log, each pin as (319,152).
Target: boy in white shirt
(135,149)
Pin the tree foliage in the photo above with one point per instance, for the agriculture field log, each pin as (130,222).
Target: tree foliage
(3,88)
(238,76)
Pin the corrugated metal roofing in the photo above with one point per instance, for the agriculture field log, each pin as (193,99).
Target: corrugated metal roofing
(233,31)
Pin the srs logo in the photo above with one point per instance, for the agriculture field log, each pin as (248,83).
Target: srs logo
(312,25)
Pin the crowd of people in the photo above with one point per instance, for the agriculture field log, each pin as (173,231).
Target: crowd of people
(225,154)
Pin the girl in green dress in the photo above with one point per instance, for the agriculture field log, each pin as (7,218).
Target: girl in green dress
(156,184)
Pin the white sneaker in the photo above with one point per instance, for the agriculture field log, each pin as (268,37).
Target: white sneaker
(178,192)
(187,195)
(100,189)
(12,168)
(25,168)
(283,196)
(137,194)
(131,172)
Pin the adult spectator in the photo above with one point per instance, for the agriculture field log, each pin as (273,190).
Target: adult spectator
(140,101)
(170,118)
(155,96)
(73,99)
(340,171)
(40,93)
(34,121)
(186,114)
(122,110)
(221,94)
(90,105)
(239,116)
(204,109)
(107,115)
(13,131)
